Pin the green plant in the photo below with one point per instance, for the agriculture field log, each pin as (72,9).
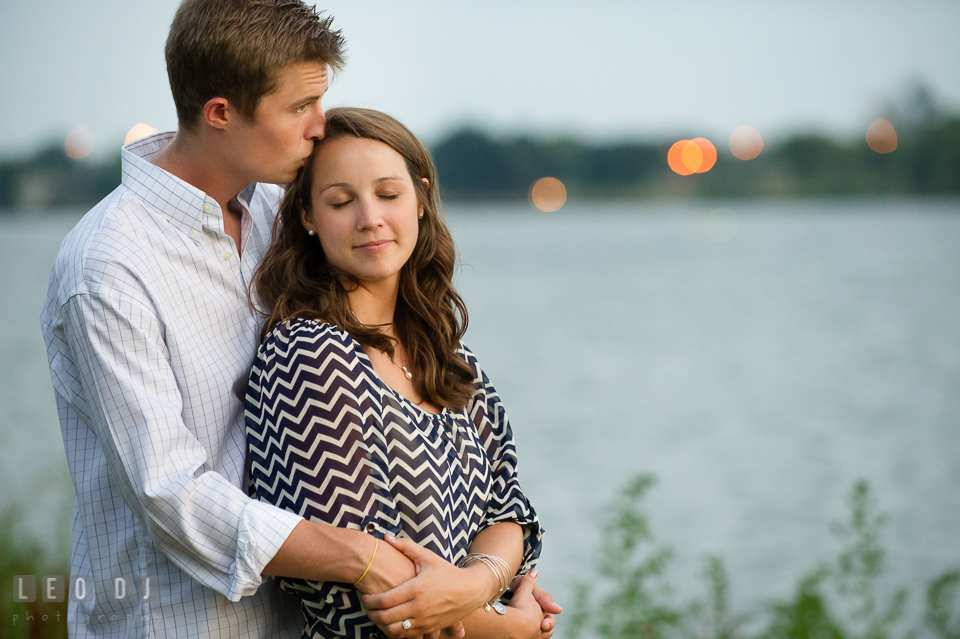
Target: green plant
(806,615)
(714,619)
(633,595)
(943,605)
(859,568)
(19,557)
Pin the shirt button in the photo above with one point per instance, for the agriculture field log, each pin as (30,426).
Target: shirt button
(227,256)
(371,527)
(194,235)
(207,207)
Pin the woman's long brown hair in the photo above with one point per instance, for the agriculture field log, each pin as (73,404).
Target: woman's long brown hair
(296,280)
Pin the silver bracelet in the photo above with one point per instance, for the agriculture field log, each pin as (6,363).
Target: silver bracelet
(501,571)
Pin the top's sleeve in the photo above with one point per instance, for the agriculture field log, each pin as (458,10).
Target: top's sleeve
(507,500)
(307,409)
(131,401)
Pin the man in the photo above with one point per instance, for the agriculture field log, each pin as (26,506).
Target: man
(150,336)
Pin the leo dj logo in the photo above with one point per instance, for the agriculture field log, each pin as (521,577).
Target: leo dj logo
(58,588)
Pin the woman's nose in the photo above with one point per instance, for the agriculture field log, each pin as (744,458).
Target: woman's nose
(369,214)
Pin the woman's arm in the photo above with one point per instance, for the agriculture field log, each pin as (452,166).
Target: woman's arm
(523,619)
(523,616)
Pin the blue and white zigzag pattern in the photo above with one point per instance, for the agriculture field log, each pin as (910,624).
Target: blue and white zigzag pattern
(330,441)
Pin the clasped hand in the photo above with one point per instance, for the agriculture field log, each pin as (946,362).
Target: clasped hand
(409,582)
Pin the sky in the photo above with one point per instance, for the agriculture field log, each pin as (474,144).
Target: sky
(607,70)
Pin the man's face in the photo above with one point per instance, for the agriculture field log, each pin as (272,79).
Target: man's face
(280,140)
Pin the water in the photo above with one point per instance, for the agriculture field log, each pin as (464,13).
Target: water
(758,360)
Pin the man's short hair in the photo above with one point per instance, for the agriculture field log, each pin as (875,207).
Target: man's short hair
(235,49)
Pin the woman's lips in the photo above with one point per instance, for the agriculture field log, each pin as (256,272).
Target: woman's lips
(375,245)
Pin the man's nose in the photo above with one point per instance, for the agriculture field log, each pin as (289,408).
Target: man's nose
(317,126)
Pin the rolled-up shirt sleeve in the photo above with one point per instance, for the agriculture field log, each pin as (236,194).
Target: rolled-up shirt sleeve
(507,500)
(129,397)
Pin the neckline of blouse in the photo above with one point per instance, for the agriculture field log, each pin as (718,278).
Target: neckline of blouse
(365,359)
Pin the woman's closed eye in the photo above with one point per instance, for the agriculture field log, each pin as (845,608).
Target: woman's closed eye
(340,204)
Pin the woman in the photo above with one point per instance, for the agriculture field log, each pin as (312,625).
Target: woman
(364,410)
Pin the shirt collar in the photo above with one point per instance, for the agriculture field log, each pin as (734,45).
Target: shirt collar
(182,203)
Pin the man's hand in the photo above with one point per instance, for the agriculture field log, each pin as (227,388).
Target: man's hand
(546,602)
(438,597)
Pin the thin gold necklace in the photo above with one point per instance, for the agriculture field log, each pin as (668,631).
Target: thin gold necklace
(406,373)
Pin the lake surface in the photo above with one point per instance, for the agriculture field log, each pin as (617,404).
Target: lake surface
(757,357)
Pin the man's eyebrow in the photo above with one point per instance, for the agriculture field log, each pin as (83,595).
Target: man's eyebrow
(306,100)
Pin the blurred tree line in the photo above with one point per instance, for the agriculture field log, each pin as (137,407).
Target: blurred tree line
(51,179)
(474,165)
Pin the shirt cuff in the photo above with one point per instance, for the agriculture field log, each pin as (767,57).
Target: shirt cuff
(263,529)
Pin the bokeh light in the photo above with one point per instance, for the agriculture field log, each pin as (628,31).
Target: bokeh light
(79,143)
(692,156)
(138,131)
(708,154)
(746,142)
(675,158)
(881,136)
(548,194)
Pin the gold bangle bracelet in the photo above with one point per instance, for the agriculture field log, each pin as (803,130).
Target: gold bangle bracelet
(375,546)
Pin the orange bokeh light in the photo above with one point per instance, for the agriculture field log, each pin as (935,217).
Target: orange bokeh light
(138,131)
(692,156)
(548,194)
(746,142)
(675,158)
(709,154)
(881,136)
(79,143)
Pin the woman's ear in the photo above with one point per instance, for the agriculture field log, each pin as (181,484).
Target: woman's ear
(426,183)
(307,224)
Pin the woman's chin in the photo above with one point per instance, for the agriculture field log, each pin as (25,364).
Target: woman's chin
(377,277)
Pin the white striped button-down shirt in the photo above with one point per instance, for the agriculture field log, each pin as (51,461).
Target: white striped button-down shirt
(150,339)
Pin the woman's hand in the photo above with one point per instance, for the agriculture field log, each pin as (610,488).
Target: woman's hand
(544,600)
(541,622)
(438,597)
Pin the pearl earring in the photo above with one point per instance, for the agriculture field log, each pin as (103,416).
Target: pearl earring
(311,232)
(420,217)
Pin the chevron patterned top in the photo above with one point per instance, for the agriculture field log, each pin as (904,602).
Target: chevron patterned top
(331,441)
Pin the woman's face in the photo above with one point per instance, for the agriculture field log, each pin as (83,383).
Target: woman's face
(365,209)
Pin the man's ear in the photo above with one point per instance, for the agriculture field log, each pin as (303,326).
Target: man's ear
(217,112)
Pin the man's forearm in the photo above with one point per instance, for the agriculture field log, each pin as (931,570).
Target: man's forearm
(319,552)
